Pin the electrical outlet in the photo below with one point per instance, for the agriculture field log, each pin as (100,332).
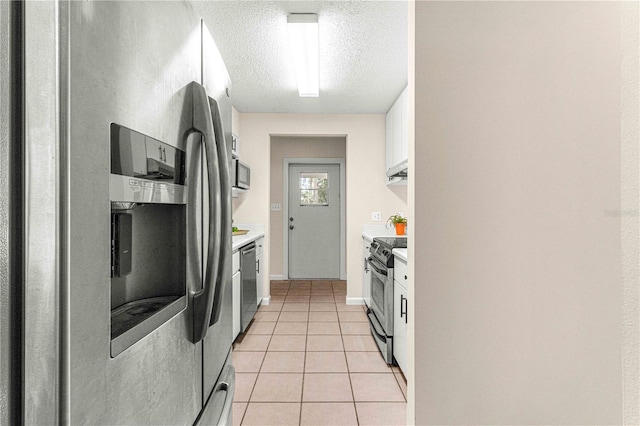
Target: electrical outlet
(276,207)
(376,217)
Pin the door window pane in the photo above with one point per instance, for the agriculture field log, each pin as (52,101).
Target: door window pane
(314,189)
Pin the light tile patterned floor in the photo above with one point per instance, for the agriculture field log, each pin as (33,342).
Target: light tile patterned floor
(309,359)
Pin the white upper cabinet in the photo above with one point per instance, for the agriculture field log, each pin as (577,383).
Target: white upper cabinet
(397,140)
(389,140)
(404,139)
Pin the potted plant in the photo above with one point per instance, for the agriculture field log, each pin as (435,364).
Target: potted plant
(399,222)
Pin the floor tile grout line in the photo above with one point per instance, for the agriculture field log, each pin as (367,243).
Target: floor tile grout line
(304,367)
(259,370)
(353,395)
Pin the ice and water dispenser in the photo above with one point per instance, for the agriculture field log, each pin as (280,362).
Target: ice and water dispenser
(148,235)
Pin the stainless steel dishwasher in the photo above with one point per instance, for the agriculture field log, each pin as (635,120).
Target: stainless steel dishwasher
(249,291)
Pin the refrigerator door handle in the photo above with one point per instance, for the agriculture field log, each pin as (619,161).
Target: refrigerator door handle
(224,265)
(203,299)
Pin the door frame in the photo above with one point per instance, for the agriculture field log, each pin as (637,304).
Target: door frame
(286,162)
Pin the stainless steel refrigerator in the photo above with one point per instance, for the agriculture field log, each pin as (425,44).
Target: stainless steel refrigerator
(115,293)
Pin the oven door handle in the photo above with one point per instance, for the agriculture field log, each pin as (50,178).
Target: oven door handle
(373,325)
(375,267)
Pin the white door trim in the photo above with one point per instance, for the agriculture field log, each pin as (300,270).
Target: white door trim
(286,162)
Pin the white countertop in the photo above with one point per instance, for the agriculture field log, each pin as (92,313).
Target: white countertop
(255,231)
(400,253)
(369,232)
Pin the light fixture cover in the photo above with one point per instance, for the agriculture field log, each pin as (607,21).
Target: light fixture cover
(303,39)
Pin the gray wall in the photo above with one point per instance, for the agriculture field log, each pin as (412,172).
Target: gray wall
(518,248)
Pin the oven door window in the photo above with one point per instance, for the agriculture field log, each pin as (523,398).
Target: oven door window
(377,293)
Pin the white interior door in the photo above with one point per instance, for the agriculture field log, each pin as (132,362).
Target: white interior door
(314,221)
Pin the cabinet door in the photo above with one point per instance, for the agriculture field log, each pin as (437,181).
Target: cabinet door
(259,269)
(404,127)
(389,139)
(366,273)
(259,275)
(397,131)
(400,306)
(236,285)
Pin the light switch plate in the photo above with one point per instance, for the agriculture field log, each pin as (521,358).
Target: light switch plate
(376,217)
(276,207)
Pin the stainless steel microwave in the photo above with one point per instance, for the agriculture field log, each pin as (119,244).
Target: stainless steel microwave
(240,174)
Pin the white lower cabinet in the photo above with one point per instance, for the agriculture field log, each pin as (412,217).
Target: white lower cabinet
(400,308)
(236,281)
(259,269)
(366,273)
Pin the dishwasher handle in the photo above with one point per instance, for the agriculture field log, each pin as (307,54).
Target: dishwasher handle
(251,249)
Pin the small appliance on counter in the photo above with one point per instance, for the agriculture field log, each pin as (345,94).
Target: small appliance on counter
(240,175)
(380,314)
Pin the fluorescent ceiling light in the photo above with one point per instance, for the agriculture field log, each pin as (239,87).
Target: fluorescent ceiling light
(303,39)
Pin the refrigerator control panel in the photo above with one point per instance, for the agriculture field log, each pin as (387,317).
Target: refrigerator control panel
(144,169)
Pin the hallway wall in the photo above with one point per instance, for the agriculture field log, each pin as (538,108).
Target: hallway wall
(293,147)
(526,151)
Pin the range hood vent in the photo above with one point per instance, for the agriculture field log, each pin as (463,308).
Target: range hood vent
(399,170)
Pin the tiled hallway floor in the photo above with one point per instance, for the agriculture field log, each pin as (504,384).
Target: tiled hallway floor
(309,359)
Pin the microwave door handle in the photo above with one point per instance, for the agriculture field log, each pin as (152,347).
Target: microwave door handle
(224,259)
(203,298)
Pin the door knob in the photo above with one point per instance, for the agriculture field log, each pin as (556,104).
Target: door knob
(290,226)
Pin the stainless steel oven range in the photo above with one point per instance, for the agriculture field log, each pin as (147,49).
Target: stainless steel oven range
(380,313)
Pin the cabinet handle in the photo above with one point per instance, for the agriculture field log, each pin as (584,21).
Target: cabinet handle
(366,269)
(403,312)
(258,263)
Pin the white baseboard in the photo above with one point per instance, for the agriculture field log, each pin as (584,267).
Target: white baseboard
(276,277)
(266,300)
(355,301)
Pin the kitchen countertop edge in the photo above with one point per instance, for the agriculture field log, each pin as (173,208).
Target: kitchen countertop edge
(400,253)
(371,231)
(240,241)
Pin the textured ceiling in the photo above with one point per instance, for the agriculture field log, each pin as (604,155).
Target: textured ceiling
(363,54)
